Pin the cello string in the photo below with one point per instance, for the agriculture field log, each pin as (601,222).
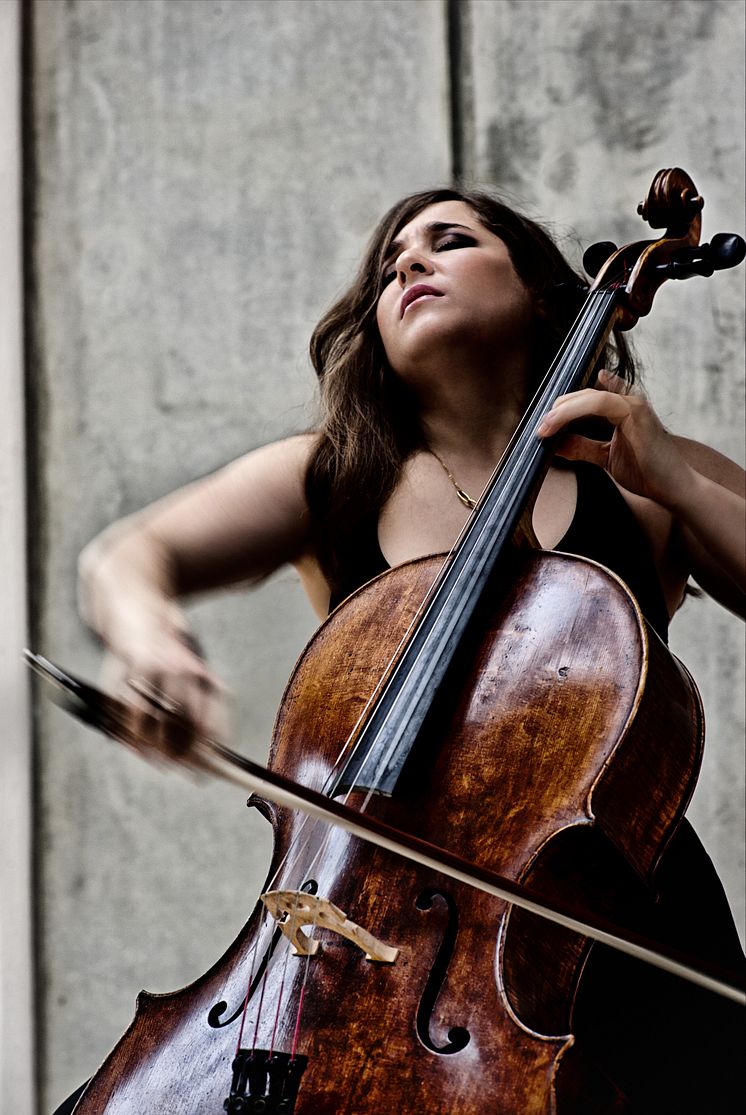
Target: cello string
(592,316)
(587,327)
(252,954)
(314,825)
(280,996)
(301,1000)
(478,525)
(301,842)
(588,319)
(294,850)
(288,949)
(296,1031)
(259,1011)
(268,923)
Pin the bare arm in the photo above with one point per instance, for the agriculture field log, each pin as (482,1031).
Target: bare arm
(711,523)
(237,525)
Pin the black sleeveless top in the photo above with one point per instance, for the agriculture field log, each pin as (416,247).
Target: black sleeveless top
(603,529)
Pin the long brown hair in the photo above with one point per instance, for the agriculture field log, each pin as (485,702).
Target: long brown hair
(369,423)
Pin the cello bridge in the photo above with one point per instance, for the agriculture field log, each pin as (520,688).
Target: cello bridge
(293,909)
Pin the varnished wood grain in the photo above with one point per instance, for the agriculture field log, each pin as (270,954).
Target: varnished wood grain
(564,754)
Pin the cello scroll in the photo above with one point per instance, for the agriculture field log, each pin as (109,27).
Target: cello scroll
(674,203)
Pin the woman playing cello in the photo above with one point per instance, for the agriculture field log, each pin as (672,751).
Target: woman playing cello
(427,365)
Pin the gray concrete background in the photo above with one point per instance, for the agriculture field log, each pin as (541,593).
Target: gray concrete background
(17,1037)
(207,172)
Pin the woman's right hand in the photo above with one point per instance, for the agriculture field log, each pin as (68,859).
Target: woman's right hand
(153,664)
(169,695)
(233,527)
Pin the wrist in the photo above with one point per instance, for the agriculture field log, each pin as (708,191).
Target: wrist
(142,620)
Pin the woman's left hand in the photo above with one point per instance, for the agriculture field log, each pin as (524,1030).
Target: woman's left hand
(641,455)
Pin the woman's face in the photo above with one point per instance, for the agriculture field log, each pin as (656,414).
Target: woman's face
(449,284)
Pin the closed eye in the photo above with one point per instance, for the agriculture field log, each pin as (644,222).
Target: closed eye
(455,240)
(449,243)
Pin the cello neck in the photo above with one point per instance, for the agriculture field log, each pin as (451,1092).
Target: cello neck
(395,720)
(511,490)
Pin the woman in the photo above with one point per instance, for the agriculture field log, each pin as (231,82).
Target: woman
(426,366)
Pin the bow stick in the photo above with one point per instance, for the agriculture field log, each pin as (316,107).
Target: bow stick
(108,715)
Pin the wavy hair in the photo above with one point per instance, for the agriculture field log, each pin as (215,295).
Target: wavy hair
(369,423)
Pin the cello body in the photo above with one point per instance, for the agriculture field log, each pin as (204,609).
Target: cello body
(562,753)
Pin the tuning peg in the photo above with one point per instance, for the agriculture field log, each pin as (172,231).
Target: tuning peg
(596,256)
(727,249)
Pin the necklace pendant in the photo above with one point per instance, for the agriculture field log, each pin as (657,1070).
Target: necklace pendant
(465,499)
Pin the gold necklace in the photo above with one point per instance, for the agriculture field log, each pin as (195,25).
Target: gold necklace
(462,495)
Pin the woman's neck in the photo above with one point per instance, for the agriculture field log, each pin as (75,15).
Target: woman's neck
(471,416)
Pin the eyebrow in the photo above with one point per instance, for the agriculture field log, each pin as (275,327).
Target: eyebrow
(433,226)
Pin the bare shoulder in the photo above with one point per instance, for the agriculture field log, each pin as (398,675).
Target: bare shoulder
(712,464)
(280,463)
(266,487)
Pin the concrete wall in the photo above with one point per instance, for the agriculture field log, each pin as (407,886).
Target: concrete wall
(17,1039)
(205,176)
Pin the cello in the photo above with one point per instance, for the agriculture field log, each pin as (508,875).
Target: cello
(530,676)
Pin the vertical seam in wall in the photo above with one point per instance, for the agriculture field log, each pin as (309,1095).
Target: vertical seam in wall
(460,86)
(36,532)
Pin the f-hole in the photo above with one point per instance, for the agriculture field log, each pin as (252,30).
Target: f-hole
(458,1036)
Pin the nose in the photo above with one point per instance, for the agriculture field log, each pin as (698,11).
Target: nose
(411,262)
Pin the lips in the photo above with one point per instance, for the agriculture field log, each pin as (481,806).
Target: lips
(415,292)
